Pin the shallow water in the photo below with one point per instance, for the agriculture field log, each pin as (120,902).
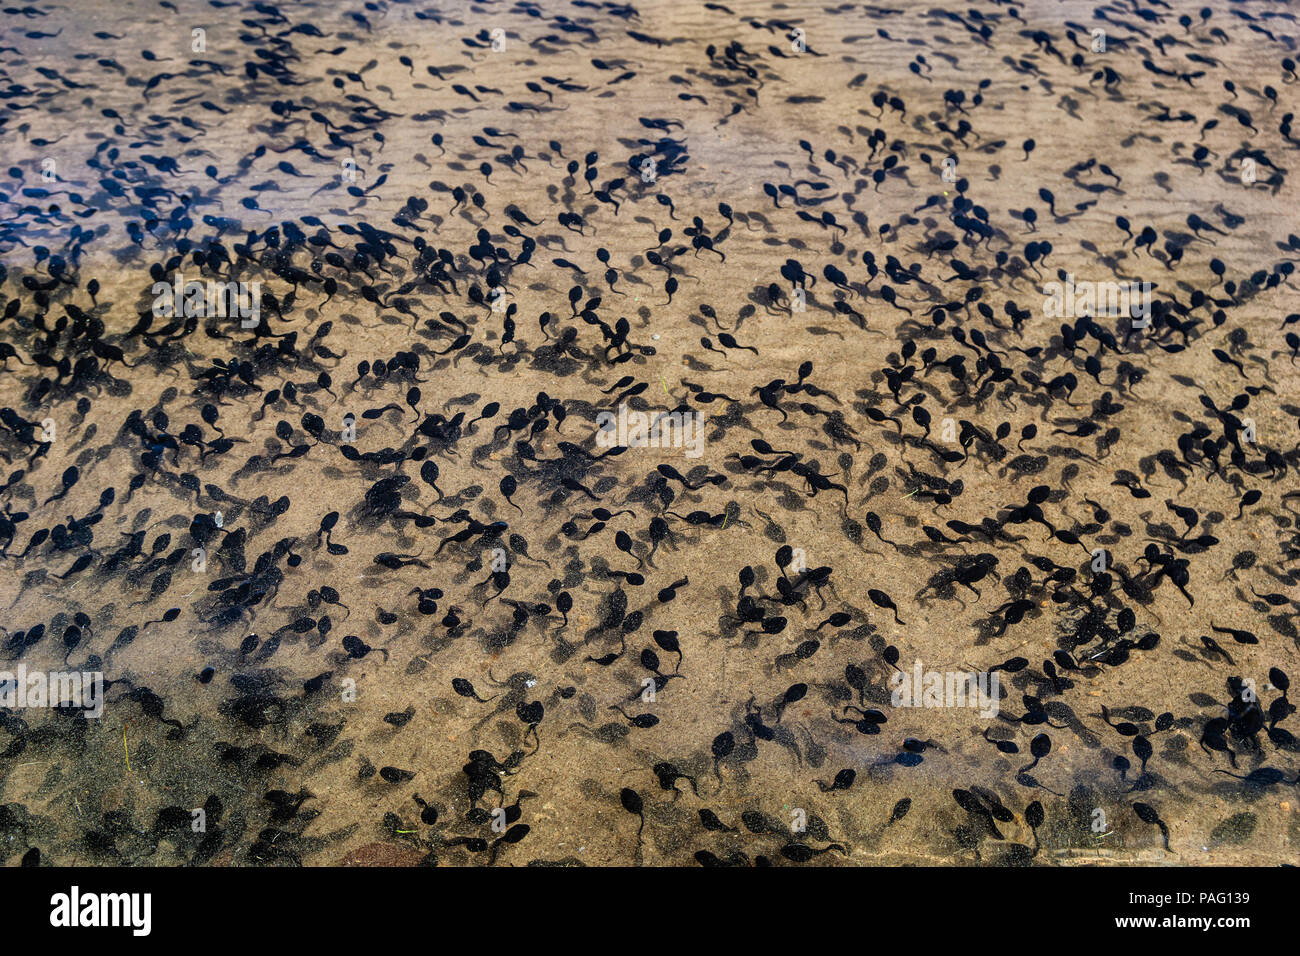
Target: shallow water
(724,104)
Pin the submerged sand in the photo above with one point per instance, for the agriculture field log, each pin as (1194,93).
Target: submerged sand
(729,111)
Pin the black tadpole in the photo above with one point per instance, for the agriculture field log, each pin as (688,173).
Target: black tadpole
(508,487)
(1147,814)
(465,689)
(881,599)
(633,804)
